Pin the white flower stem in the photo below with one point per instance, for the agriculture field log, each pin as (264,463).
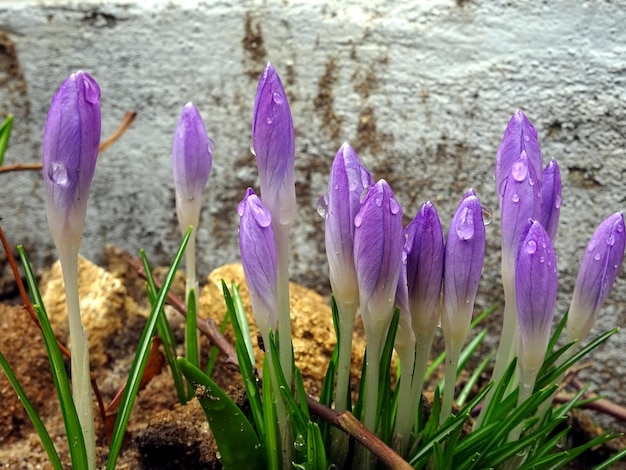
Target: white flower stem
(347,313)
(370,405)
(506,348)
(452,363)
(405,421)
(81,381)
(527,383)
(281,234)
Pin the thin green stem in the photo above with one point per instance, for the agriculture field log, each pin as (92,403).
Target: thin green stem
(452,362)
(81,383)
(374,350)
(281,234)
(192,335)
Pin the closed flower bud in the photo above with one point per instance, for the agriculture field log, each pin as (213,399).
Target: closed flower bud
(424,265)
(536,289)
(551,190)
(519,136)
(191,161)
(70,150)
(346,184)
(598,270)
(463,264)
(274,147)
(258,256)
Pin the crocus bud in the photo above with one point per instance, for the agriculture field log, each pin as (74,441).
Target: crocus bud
(520,135)
(348,179)
(424,265)
(463,264)
(70,149)
(273,145)
(551,198)
(598,270)
(521,200)
(191,159)
(405,337)
(378,244)
(258,256)
(536,288)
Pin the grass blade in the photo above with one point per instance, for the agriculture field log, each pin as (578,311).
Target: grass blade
(5,134)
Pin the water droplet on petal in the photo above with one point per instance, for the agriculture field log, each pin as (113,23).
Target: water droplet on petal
(610,240)
(619,228)
(322,205)
(597,257)
(465,228)
(487,216)
(378,200)
(394,207)
(252,151)
(531,247)
(269,120)
(358,220)
(277,98)
(515,197)
(519,171)
(92,91)
(542,259)
(58,173)
(557,202)
(526,138)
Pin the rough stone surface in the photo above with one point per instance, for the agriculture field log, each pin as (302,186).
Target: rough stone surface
(422,89)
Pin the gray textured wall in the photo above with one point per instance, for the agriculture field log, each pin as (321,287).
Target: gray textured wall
(422,89)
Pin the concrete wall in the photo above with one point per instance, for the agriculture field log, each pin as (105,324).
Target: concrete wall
(422,89)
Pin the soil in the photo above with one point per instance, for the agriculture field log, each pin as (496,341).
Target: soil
(162,434)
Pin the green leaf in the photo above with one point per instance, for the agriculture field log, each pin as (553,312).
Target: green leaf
(42,432)
(5,134)
(68,409)
(165,333)
(272,449)
(191,332)
(236,440)
(141,357)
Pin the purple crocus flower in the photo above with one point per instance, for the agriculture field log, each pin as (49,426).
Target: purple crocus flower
(274,147)
(536,289)
(463,264)
(424,265)
(192,160)
(598,270)
(551,198)
(378,244)
(70,150)
(520,135)
(521,200)
(405,337)
(258,256)
(348,179)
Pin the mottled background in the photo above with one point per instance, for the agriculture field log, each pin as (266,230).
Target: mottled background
(422,89)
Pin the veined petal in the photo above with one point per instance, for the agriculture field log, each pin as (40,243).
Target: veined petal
(597,274)
(274,147)
(258,256)
(551,198)
(70,150)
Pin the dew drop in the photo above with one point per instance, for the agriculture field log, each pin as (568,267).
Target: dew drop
(358,220)
(557,202)
(619,228)
(378,200)
(531,181)
(519,171)
(487,216)
(269,120)
(515,197)
(92,91)
(531,247)
(300,442)
(58,173)
(526,138)
(252,151)
(465,228)
(610,240)
(260,214)
(277,98)
(542,259)
(322,205)
(394,207)
(597,257)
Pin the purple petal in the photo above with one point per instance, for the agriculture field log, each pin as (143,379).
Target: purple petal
(520,135)
(70,150)
(597,274)
(348,179)
(258,256)
(551,198)
(378,244)
(274,147)
(191,154)
(424,265)
(536,288)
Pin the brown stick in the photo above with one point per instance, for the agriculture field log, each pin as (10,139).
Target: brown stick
(125,124)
